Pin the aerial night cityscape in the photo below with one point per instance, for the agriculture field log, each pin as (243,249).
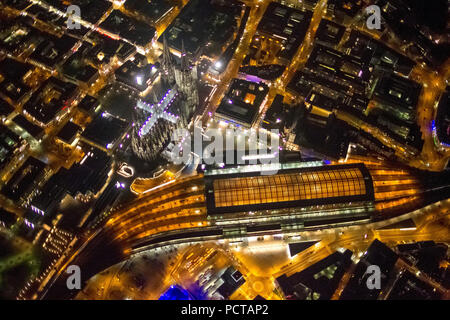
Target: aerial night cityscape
(224,150)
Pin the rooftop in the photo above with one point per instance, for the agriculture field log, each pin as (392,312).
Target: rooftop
(286,24)
(12,75)
(136,32)
(377,53)
(52,49)
(137,76)
(9,142)
(68,132)
(317,282)
(203,25)
(24,180)
(88,104)
(397,95)
(276,114)
(77,69)
(34,130)
(52,98)
(377,254)
(337,64)
(104,131)
(232,280)
(93,10)
(329,32)
(288,188)
(153,10)
(242,101)
(5,108)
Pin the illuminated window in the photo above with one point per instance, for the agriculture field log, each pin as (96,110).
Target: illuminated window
(249,98)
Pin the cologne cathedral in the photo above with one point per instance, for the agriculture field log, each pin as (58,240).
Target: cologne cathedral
(170,105)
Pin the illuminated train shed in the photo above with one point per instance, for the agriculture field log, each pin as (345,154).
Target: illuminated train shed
(235,203)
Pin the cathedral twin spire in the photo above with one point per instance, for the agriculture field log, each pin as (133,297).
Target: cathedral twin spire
(168,65)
